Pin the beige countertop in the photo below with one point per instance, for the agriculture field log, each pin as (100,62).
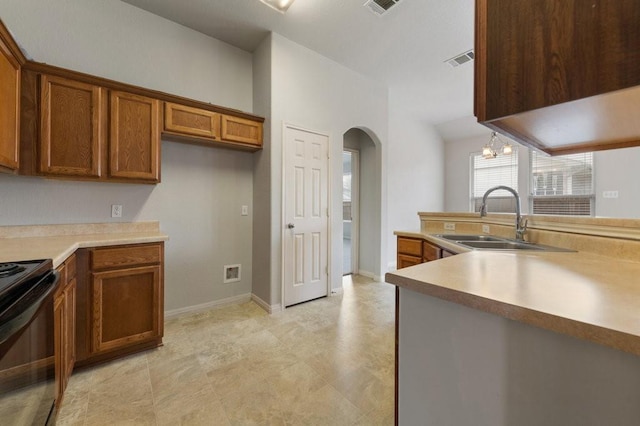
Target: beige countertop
(58,242)
(579,294)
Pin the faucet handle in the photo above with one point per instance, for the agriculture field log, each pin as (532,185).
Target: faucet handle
(521,228)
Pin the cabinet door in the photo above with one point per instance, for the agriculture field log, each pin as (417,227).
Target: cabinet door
(126,307)
(69,330)
(235,129)
(406,260)
(134,146)
(72,127)
(59,345)
(9,108)
(535,53)
(191,121)
(430,252)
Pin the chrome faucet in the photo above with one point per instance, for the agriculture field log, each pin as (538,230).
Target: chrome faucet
(521,226)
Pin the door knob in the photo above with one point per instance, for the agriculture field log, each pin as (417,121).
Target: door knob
(290,225)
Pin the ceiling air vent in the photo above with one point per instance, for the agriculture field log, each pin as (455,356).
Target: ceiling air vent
(460,59)
(380,7)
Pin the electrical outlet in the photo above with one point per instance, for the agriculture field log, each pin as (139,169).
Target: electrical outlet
(244,211)
(116,210)
(486,229)
(609,194)
(450,226)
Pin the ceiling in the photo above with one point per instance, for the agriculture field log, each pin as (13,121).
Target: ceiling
(404,49)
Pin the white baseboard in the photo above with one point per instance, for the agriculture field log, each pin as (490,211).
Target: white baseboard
(243,298)
(264,305)
(371,275)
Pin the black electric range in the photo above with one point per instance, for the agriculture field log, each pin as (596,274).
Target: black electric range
(27,364)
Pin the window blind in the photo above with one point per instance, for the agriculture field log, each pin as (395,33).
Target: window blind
(487,173)
(562,185)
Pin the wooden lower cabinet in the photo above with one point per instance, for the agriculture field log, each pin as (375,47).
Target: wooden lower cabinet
(409,252)
(126,307)
(121,301)
(413,251)
(64,309)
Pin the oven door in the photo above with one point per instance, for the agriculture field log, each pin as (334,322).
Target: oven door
(27,366)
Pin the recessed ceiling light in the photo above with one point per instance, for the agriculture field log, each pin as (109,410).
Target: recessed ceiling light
(279,5)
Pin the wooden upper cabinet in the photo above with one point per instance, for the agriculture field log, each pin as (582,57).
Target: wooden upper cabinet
(559,75)
(242,130)
(204,127)
(134,148)
(72,127)
(190,121)
(10,67)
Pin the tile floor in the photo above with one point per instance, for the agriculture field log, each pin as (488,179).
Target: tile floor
(325,362)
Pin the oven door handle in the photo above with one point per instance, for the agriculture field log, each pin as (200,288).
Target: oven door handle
(19,315)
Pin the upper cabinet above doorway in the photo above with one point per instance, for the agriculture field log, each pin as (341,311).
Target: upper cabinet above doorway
(561,76)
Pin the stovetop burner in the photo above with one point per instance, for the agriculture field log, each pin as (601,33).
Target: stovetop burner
(8,269)
(17,276)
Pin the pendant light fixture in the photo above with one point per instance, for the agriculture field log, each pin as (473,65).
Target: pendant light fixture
(279,5)
(495,144)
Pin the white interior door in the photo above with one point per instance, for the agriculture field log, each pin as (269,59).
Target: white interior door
(306,216)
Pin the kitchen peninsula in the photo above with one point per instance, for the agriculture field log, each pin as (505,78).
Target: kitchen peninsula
(503,338)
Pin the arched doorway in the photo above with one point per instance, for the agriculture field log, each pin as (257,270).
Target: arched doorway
(362,206)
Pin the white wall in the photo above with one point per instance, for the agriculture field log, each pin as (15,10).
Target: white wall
(263,239)
(415,173)
(316,93)
(198,202)
(615,170)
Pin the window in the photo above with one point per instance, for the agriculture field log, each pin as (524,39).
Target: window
(487,173)
(562,185)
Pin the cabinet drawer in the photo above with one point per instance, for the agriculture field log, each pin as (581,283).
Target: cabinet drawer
(109,258)
(191,121)
(410,246)
(430,252)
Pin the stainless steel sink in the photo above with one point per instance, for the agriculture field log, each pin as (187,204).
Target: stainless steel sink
(454,237)
(487,242)
(500,245)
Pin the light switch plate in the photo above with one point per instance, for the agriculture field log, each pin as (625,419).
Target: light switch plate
(609,194)
(244,211)
(450,226)
(486,229)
